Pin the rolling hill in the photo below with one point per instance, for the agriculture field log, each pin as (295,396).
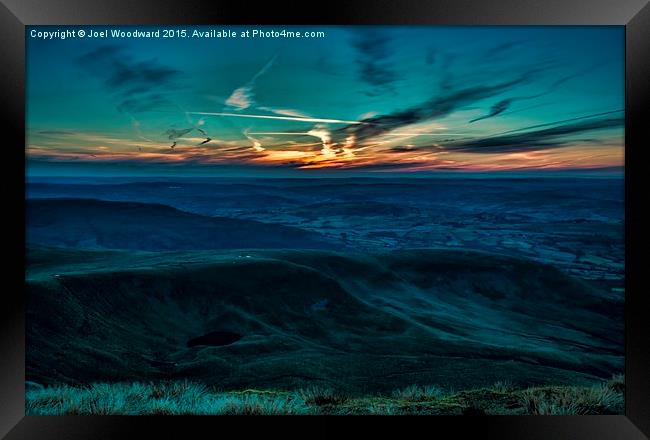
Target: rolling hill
(280,319)
(97,224)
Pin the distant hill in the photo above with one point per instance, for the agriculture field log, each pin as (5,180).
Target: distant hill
(293,318)
(93,224)
(199,198)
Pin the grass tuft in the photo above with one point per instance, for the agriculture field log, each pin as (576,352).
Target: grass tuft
(598,399)
(264,405)
(179,398)
(503,387)
(322,396)
(418,393)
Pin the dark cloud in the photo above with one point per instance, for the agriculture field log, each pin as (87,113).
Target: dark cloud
(436,107)
(544,138)
(173,133)
(123,73)
(496,109)
(99,54)
(402,149)
(505,104)
(373,50)
(564,121)
(134,81)
(144,73)
(569,77)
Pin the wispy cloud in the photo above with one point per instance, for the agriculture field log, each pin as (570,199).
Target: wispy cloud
(545,138)
(563,121)
(495,110)
(437,107)
(244,97)
(504,104)
(257,145)
(138,83)
(241,98)
(373,59)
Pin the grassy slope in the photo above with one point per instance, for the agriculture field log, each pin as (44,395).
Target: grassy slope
(179,398)
(359,323)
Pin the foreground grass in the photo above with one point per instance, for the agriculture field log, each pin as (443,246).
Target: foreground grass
(188,398)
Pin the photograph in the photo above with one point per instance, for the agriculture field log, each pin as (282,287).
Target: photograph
(325,220)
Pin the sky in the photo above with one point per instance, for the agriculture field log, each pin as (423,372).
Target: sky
(360,101)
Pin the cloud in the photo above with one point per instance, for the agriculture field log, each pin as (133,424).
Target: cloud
(138,76)
(368,115)
(100,53)
(244,97)
(403,149)
(326,138)
(505,104)
(136,82)
(547,124)
(436,107)
(451,97)
(241,98)
(121,72)
(175,134)
(496,109)
(544,138)
(373,50)
(257,145)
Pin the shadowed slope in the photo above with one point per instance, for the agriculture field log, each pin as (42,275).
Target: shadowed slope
(359,322)
(89,223)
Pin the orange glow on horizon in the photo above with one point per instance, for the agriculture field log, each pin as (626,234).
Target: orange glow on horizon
(374,154)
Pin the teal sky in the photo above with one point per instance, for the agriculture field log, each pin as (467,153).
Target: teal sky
(358,101)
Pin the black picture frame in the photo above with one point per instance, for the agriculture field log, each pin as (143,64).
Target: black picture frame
(16,14)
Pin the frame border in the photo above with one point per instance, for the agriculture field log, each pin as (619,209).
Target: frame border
(634,14)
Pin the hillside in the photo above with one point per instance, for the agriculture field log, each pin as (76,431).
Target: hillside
(97,224)
(284,319)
